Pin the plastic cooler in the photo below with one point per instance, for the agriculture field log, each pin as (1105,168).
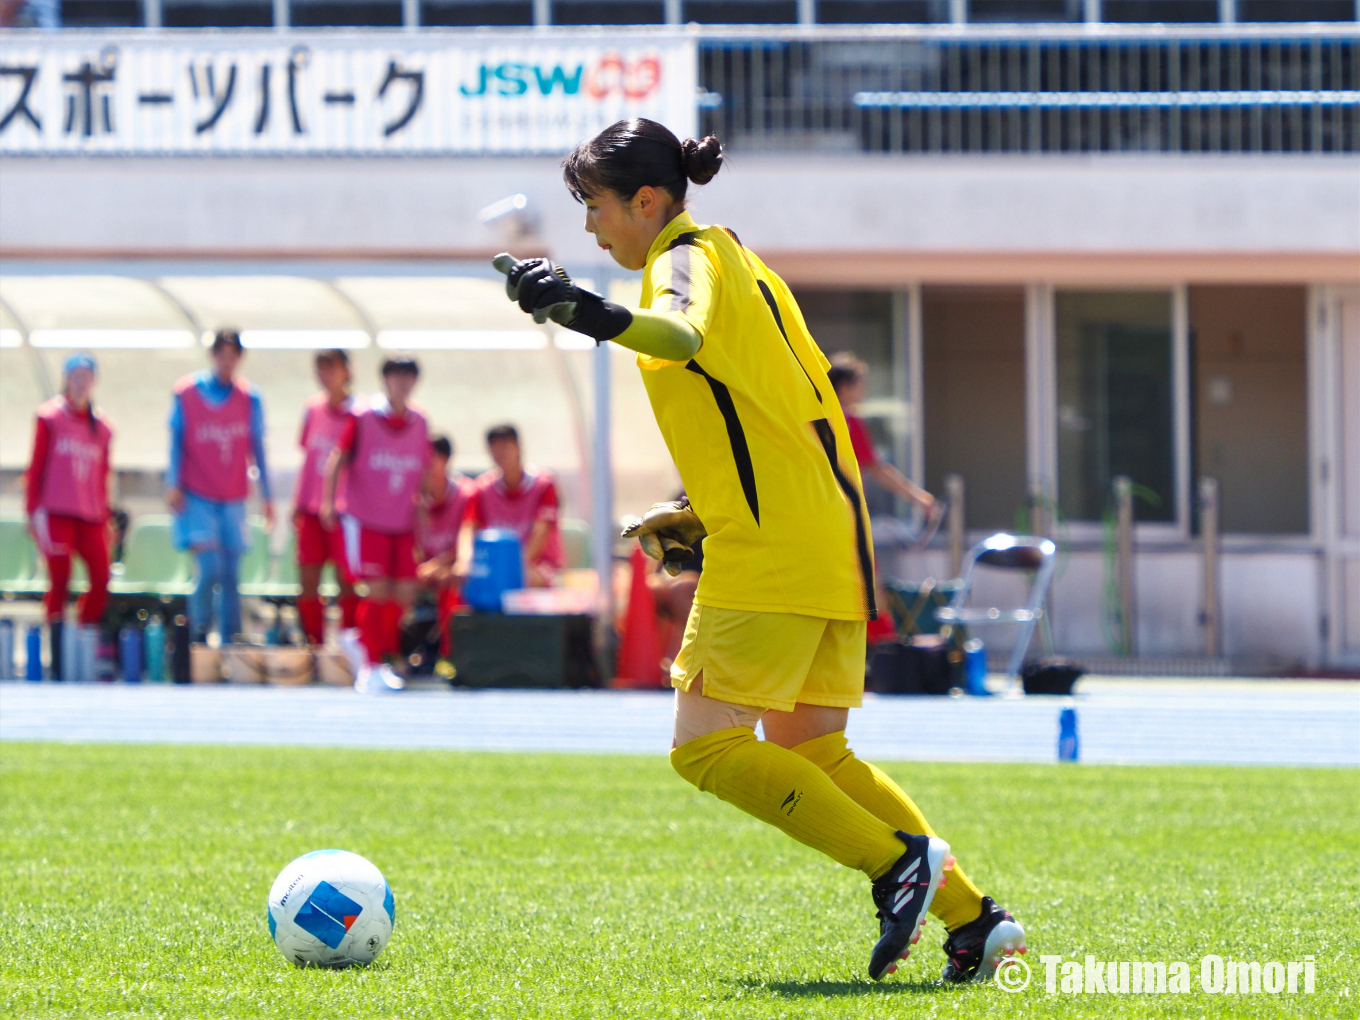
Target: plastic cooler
(497,567)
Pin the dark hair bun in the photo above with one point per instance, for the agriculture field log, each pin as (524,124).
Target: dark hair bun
(701,159)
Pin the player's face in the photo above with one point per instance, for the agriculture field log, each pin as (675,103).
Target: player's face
(79,386)
(398,386)
(505,454)
(439,467)
(623,227)
(225,360)
(333,376)
(852,394)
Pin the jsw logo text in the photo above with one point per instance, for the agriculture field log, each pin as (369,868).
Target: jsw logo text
(610,75)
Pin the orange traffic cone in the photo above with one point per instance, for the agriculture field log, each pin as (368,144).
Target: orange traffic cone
(639,659)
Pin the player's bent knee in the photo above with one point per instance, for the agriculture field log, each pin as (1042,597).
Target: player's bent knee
(695,760)
(682,762)
(826,751)
(698,716)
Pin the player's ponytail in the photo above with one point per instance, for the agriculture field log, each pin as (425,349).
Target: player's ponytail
(632,154)
(701,158)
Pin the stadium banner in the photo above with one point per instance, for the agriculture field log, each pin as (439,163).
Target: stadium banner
(361,94)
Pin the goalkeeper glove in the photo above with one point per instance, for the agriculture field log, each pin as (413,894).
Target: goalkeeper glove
(668,532)
(543,289)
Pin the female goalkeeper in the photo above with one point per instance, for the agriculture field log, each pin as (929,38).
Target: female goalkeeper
(777,633)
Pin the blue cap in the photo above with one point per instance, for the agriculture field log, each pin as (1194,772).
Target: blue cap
(75,361)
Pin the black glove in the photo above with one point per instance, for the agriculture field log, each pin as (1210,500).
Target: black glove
(668,532)
(543,289)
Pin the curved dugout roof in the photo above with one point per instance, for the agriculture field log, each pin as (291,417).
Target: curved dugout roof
(272,312)
(482,359)
(94,311)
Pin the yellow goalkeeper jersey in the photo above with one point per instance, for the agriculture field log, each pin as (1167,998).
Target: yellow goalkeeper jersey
(757,434)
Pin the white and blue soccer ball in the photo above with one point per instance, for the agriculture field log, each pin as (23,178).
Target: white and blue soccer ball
(331,908)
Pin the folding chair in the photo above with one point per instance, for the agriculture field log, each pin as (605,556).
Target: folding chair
(1006,552)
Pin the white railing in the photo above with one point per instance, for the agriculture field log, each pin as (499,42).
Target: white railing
(1238,89)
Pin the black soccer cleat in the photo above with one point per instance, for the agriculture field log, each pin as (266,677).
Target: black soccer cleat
(903,896)
(975,949)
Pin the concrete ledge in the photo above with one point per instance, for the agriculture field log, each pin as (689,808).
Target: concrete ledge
(1232,218)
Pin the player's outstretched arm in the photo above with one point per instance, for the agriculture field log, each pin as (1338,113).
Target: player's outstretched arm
(329,479)
(543,289)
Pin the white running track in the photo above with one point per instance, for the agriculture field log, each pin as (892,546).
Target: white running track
(1143,721)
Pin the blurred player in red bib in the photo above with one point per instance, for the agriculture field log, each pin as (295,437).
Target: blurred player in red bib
(67,492)
(386,447)
(510,497)
(323,422)
(849,378)
(216,435)
(440,522)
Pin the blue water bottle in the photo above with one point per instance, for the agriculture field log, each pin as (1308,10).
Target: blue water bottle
(6,649)
(130,652)
(975,668)
(497,567)
(154,640)
(89,653)
(33,646)
(1069,747)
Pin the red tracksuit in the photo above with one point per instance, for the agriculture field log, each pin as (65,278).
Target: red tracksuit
(68,502)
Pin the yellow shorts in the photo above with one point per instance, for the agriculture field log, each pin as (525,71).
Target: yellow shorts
(772,660)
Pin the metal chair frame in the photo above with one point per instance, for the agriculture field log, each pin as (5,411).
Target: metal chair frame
(1006,552)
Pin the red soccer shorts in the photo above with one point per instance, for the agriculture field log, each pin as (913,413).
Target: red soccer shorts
(373,554)
(317,544)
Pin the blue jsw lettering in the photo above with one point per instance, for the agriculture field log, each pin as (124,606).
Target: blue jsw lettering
(514,80)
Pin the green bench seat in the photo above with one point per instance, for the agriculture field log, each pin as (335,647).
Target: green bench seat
(151,563)
(20,565)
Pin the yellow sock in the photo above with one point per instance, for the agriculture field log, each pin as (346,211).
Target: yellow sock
(792,794)
(959,901)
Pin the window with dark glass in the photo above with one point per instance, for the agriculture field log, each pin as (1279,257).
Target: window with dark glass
(101,13)
(474,13)
(217,14)
(608,12)
(344,13)
(1159,11)
(741,12)
(1115,405)
(1007,11)
(890,12)
(1249,371)
(973,389)
(1296,10)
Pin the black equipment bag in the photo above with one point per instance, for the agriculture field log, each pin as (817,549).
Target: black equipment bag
(927,664)
(928,657)
(1051,676)
(494,650)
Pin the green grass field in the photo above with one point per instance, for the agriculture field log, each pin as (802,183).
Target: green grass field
(134,882)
